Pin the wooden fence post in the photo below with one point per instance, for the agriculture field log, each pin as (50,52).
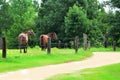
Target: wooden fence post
(59,44)
(3,47)
(88,44)
(49,46)
(66,45)
(114,45)
(0,42)
(105,43)
(85,41)
(76,43)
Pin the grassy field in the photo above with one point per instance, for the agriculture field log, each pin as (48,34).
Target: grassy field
(111,72)
(35,57)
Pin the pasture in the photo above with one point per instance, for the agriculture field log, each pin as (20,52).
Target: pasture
(110,72)
(35,57)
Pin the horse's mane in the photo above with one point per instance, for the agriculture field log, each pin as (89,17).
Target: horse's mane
(27,31)
(51,32)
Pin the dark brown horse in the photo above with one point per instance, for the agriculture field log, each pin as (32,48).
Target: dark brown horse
(44,39)
(23,40)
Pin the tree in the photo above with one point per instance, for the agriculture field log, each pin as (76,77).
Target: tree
(116,3)
(52,18)
(52,13)
(114,30)
(95,34)
(76,22)
(5,19)
(23,14)
(93,9)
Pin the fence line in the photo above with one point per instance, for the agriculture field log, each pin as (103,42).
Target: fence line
(76,41)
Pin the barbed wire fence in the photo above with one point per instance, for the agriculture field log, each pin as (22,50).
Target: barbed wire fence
(74,42)
(77,42)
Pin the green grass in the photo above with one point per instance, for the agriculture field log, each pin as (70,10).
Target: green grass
(111,72)
(35,57)
(102,49)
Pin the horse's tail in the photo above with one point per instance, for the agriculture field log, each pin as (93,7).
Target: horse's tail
(41,42)
(21,38)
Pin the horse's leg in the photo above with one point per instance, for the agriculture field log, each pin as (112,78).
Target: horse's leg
(42,47)
(26,49)
(42,43)
(45,46)
(20,48)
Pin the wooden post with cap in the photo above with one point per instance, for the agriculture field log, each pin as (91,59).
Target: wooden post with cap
(76,44)
(49,46)
(3,47)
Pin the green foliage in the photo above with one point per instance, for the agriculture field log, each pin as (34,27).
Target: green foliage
(52,13)
(116,3)
(95,34)
(23,14)
(93,9)
(5,19)
(68,18)
(76,22)
(114,30)
(75,18)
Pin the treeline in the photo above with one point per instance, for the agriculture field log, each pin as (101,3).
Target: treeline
(68,18)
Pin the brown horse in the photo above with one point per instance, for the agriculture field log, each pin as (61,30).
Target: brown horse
(44,39)
(23,40)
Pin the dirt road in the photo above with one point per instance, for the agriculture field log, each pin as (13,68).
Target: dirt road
(41,73)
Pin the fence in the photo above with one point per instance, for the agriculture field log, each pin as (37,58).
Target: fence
(76,44)
(86,43)
(3,46)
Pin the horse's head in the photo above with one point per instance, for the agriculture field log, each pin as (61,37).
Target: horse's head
(53,35)
(30,32)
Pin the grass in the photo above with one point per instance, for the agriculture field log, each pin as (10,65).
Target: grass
(35,57)
(111,72)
